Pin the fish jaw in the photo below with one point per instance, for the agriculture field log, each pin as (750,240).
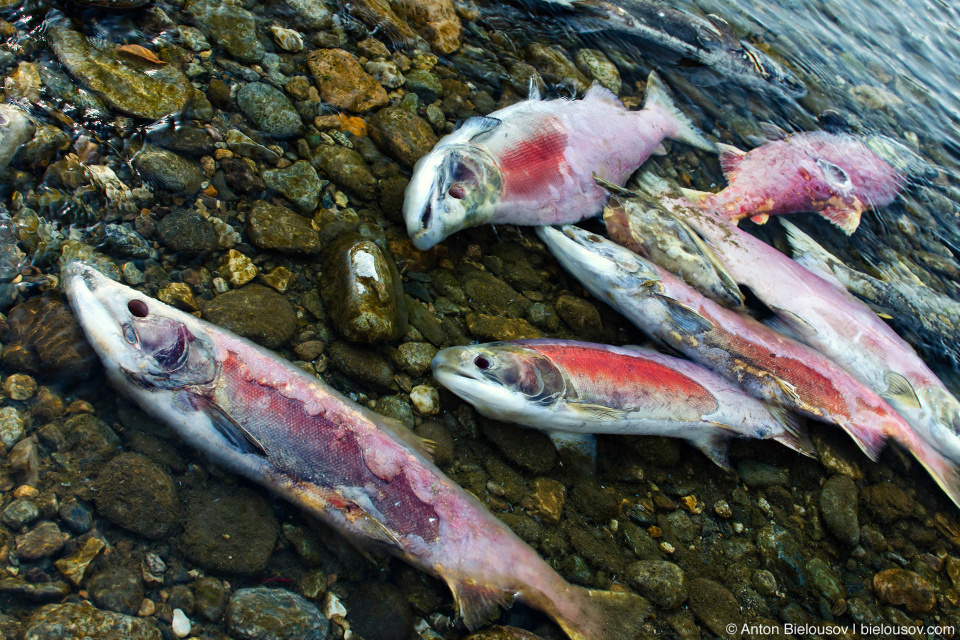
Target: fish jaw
(455,186)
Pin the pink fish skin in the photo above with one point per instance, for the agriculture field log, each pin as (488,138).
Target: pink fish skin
(581,387)
(837,176)
(533,162)
(268,420)
(822,314)
(769,365)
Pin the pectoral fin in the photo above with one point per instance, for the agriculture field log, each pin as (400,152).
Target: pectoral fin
(900,391)
(587,411)
(795,324)
(477,603)
(686,319)
(614,188)
(715,447)
(846,218)
(477,125)
(730,158)
(231,430)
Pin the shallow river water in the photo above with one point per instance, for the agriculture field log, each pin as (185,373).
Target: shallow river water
(246,162)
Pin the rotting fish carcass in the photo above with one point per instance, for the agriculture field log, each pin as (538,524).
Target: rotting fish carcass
(769,365)
(838,176)
(818,311)
(534,162)
(264,418)
(578,387)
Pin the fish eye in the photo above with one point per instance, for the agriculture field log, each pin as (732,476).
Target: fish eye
(457,191)
(482,363)
(138,308)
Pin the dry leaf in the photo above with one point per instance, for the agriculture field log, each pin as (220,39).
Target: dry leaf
(141,52)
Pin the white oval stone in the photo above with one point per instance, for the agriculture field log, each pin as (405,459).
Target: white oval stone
(181,624)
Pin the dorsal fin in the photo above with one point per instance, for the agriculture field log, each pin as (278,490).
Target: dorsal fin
(900,391)
(730,157)
(599,92)
(773,132)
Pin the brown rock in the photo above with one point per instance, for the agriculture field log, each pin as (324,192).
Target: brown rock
(488,327)
(900,587)
(343,82)
(403,135)
(379,14)
(547,499)
(436,20)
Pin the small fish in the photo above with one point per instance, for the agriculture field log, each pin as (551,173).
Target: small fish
(579,387)
(266,419)
(811,306)
(929,319)
(837,176)
(646,228)
(770,366)
(533,162)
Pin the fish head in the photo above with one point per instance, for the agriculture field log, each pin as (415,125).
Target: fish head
(453,187)
(605,268)
(145,346)
(503,380)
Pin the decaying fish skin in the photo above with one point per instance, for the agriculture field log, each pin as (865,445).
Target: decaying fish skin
(579,387)
(837,176)
(534,162)
(930,319)
(646,228)
(770,366)
(264,418)
(819,312)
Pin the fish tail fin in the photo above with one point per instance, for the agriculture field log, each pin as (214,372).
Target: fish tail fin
(945,471)
(600,615)
(686,131)
(794,434)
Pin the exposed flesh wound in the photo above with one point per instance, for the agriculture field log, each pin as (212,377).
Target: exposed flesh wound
(536,161)
(323,450)
(632,382)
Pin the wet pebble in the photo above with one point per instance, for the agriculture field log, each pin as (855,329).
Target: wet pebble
(210,598)
(425,399)
(363,365)
(11,426)
(229,25)
(79,621)
(580,315)
(716,607)
(886,502)
(529,449)
(42,541)
(346,168)
(764,582)
(168,170)
(402,134)
(37,592)
(18,386)
(425,84)
(415,357)
(546,500)
(279,229)
(900,587)
(228,529)
(363,292)
(781,554)
(187,231)
(42,336)
(273,614)
(342,81)
(74,567)
(824,578)
(599,68)
(238,269)
(269,110)
(179,295)
(116,589)
(137,494)
(371,604)
(839,508)
(180,625)
(758,475)
(20,512)
(76,515)
(662,583)
(440,439)
(298,183)
(254,312)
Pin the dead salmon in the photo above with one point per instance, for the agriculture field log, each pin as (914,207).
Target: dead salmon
(268,420)
(583,388)
(769,365)
(533,162)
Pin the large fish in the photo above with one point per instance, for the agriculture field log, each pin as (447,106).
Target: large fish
(838,176)
(579,387)
(264,418)
(769,365)
(929,319)
(533,162)
(821,313)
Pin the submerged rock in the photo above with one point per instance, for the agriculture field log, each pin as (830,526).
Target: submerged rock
(269,110)
(43,337)
(342,81)
(274,227)
(187,231)
(364,365)
(231,530)
(229,25)
(436,20)
(298,183)
(363,291)
(137,494)
(116,589)
(838,506)
(123,83)
(254,312)
(402,134)
(81,621)
(15,131)
(662,583)
(274,614)
(716,607)
(42,541)
(900,587)
(346,168)
(168,170)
